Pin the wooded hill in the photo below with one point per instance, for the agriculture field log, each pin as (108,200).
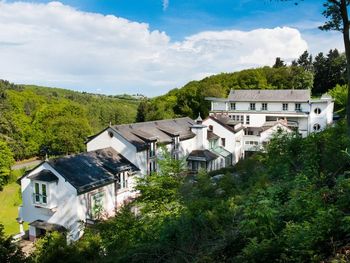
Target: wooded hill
(38,120)
(319,74)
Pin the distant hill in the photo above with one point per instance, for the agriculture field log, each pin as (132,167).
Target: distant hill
(37,120)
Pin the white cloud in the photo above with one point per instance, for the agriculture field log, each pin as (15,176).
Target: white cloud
(165,4)
(57,45)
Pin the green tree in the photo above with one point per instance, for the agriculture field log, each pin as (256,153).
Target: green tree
(9,251)
(305,61)
(279,63)
(337,13)
(6,161)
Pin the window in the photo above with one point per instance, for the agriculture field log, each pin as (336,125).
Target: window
(264,106)
(242,119)
(317,111)
(297,107)
(123,180)
(40,193)
(317,127)
(176,143)
(285,106)
(211,128)
(252,106)
(247,119)
(250,133)
(223,142)
(233,106)
(152,149)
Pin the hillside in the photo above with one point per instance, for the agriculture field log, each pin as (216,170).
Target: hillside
(319,74)
(38,120)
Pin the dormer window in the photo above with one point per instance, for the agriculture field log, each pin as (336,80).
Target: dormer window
(233,106)
(252,106)
(297,107)
(40,193)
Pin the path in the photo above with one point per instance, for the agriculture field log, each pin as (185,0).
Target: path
(25,164)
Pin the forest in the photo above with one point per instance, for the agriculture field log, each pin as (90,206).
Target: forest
(39,121)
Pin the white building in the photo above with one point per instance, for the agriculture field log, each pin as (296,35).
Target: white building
(66,193)
(262,112)
(182,137)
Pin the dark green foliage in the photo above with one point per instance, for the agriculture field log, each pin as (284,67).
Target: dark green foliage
(9,251)
(54,248)
(37,120)
(6,161)
(329,71)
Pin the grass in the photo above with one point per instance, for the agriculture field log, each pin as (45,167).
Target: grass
(10,199)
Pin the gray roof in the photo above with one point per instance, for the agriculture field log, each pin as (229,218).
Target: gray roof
(287,95)
(91,170)
(44,175)
(202,155)
(141,133)
(47,226)
(212,136)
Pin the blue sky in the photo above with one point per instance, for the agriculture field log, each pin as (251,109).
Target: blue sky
(181,18)
(151,46)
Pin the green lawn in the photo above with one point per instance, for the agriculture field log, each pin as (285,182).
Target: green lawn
(10,199)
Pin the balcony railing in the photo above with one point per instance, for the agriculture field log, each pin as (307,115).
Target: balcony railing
(40,199)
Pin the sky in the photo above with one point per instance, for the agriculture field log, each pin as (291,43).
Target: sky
(151,46)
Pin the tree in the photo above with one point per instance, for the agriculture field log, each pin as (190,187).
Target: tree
(9,251)
(6,160)
(305,61)
(337,14)
(279,63)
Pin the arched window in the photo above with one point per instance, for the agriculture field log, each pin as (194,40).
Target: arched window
(317,111)
(317,127)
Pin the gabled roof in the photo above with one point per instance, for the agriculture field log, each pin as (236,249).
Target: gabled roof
(294,95)
(226,122)
(91,170)
(139,134)
(212,136)
(44,175)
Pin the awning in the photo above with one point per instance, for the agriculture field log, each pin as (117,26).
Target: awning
(221,151)
(47,226)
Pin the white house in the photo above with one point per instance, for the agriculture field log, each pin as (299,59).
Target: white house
(262,112)
(182,137)
(65,193)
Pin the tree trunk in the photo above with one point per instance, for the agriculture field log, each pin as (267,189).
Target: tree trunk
(345,18)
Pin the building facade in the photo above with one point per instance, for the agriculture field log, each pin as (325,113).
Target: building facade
(262,112)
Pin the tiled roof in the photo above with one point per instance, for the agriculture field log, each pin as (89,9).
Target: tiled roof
(91,170)
(296,95)
(139,134)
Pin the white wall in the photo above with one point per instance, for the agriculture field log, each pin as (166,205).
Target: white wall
(69,208)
